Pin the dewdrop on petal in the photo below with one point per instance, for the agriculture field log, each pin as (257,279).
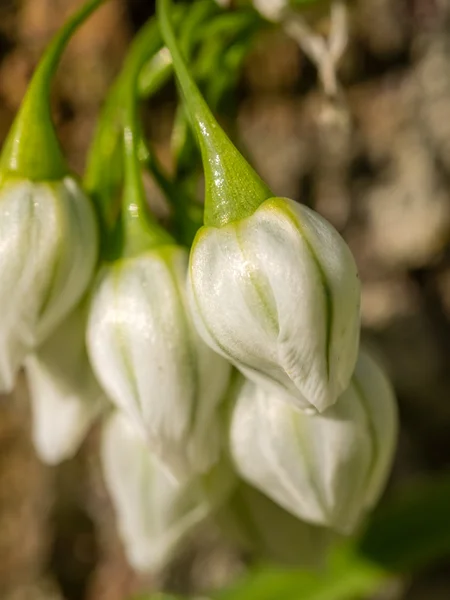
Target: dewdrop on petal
(326,469)
(272,286)
(48,231)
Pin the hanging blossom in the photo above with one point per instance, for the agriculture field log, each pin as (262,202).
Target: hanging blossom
(155,512)
(273,287)
(48,231)
(142,343)
(327,469)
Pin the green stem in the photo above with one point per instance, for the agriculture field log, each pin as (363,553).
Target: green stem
(233,190)
(105,184)
(188,216)
(140,228)
(32,149)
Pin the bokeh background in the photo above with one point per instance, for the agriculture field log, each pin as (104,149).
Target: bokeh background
(375,162)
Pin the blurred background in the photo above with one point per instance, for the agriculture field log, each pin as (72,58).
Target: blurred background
(375,161)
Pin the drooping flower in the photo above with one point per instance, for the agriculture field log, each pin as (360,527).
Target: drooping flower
(273,286)
(48,233)
(327,469)
(155,512)
(277,293)
(150,360)
(48,249)
(142,343)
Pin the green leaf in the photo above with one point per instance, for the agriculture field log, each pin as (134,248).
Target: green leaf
(155,597)
(348,577)
(413,529)
(163,597)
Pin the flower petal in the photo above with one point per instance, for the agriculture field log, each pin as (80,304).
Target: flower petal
(151,361)
(154,511)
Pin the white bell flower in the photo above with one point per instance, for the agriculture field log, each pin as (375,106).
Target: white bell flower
(65,396)
(149,359)
(278,294)
(48,251)
(326,469)
(154,511)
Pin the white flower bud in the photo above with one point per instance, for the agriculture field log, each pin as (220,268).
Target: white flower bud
(278,294)
(48,250)
(65,396)
(269,532)
(327,469)
(148,357)
(154,511)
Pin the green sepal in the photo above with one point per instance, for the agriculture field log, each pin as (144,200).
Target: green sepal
(233,190)
(32,150)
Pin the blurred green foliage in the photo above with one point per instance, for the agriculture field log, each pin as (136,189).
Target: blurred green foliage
(407,533)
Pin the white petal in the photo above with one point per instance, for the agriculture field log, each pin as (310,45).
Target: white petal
(377,397)
(48,249)
(154,511)
(65,395)
(326,469)
(278,295)
(151,362)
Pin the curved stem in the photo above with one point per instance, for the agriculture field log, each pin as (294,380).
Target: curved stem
(32,148)
(140,228)
(233,190)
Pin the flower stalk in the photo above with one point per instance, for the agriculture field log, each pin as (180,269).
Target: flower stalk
(233,190)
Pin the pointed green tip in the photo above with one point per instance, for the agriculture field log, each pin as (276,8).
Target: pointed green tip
(32,149)
(233,190)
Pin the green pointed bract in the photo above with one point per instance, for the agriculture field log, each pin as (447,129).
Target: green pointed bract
(233,190)
(32,150)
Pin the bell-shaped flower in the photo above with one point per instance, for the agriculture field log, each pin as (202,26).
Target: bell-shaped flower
(327,469)
(277,293)
(273,287)
(155,512)
(141,340)
(151,362)
(48,250)
(269,532)
(48,232)
(65,396)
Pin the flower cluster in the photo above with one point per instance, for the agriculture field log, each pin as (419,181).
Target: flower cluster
(225,373)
